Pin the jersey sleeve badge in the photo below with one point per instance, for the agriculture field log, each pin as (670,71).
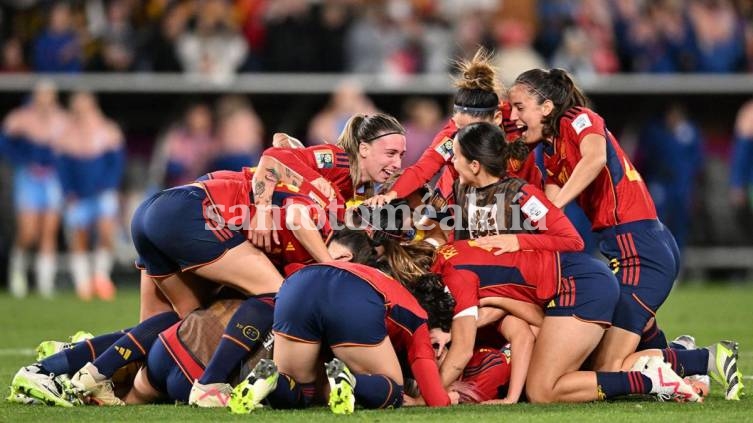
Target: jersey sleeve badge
(324,159)
(581,122)
(535,209)
(445,149)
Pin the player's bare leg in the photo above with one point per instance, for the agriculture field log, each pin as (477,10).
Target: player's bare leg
(553,374)
(245,268)
(614,348)
(46,263)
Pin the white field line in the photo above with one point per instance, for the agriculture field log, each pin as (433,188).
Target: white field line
(17,352)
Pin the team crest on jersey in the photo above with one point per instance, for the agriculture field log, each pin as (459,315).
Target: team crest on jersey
(445,149)
(290,247)
(324,159)
(515,165)
(581,122)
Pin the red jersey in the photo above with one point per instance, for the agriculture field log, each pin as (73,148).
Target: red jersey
(231,205)
(530,276)
(246,173)
(510,206)
(526,170)
(328,161)
(487,372)
(306,189)
(618,194)
(439,154)
(407,328)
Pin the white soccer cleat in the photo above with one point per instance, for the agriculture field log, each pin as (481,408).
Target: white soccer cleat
(666,384)
(31,383)
(248,395)
(211,395)
(20,398)
(342,384)
(89,384)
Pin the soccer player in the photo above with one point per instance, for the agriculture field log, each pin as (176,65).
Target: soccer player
(389,320)
(477,100)
(584,162)
(186,237)
(517,213)
(31,134)
(177,358)
(486,377)
(370,150)
(90,165)
(578,295)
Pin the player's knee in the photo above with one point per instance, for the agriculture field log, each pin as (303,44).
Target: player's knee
(26,237)
(539,393)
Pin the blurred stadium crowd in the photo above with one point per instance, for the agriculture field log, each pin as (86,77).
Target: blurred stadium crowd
(217,38)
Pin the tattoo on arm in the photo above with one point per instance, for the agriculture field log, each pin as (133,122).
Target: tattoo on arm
(259,188)
(293,178)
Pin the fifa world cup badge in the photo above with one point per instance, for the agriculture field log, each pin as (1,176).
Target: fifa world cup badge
(445,149)
(324,159)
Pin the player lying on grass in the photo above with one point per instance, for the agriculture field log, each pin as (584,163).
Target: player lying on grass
(174,361)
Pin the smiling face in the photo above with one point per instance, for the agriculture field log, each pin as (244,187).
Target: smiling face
(381,158)
(466,169)
(527,113)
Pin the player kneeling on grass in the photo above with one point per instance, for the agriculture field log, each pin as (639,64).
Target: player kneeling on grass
(365,316)
(176,358)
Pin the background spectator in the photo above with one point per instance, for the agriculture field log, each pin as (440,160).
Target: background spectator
(423,119)
(346,101)
(741,172)
(212,48)
(91,166)
(240,135)
(58,48)
(13,57)
(671,161)
(186,149)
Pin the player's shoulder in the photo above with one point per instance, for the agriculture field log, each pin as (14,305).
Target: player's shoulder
(579,119)
(115,134)
(16,117)
(447,132)
(332,148)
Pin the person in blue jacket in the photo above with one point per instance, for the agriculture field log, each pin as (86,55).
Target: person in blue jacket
(91,166)
(30,137)
(670,154)
(741,171)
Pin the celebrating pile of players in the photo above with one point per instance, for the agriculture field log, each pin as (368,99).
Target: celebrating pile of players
(329,275)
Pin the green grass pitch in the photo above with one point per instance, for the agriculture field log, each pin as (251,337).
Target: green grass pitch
(709,313)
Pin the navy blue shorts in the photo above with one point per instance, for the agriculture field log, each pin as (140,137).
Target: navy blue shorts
(588,290)
(165,375)
(323,304)
(171,233)
(646,261)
